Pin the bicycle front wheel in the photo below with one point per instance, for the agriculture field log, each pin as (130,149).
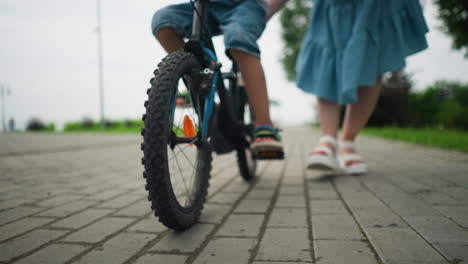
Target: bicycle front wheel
(176,162)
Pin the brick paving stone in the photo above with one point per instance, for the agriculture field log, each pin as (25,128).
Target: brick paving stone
(117,250)
(323,207)
(160,258)
(291,190)
(343,252)
(186,241)
(378,217)
(437,198)
(215,186)
(400,245)
(313,175)
(224,198)
(260,194)
(319,194)
(17,213)
(58,200)
(98,230)
(438,229)
(81,219)
(67,209)
(335,227)
(214,213)
(120,201)
(253,206)
(13,203)
(454,251)
(241,226)
(276,262)
(267,184)
(92,187)
(277,245)
(105,195)
(53,254)
(15,228)
(288,217)
(27,242)
(459,214)
(148,225)
(402,203)
(295,201)
(237,187)
(456,192)
(293,181)
(324,185)
(226,251)
(137,209)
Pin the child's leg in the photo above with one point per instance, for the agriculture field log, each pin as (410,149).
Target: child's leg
(242,24)
(329,114)
(322,157)
(358,113)
(169,39)
(171,24)
(254,78)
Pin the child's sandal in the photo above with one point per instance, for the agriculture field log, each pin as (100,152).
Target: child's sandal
(323,157)
(267,143)
(351,163)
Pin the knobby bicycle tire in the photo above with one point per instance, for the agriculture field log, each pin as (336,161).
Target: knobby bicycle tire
(247,165)
(156,131)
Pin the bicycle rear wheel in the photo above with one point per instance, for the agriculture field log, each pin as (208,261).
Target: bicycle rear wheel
(176,162)
(247,164)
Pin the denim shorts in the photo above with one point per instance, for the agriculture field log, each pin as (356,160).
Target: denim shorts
(241,22)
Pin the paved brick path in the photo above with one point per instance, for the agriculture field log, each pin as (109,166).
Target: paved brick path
(80,199)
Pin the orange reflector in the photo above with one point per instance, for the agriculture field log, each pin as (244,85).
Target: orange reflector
(189,128)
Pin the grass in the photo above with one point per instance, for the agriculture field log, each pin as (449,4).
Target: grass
(116,130)
(451,139)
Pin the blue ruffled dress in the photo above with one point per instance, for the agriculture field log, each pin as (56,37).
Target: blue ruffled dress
(351,42)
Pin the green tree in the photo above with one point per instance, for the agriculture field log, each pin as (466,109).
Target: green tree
(393,107)
(294,22)
(443,104)
(454,14)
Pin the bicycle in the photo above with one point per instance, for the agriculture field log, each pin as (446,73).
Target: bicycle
(212,113)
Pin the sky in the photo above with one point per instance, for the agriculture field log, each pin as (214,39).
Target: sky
(48,59)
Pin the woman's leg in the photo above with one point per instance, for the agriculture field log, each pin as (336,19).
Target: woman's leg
(358,114)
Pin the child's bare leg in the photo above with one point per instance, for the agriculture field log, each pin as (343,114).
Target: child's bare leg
(357,114)
(255,83)
(329,114)
(169,39)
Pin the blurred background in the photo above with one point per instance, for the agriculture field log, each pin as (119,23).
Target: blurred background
(49,66)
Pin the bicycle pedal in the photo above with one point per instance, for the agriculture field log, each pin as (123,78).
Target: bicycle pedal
(268,155)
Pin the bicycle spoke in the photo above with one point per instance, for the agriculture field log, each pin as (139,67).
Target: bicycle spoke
(183,153)
(179,129)
(182,174)
(193,171)
(191,114)
(193,174)
(174,167)
(192,142)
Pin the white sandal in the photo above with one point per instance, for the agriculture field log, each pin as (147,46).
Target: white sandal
(351,163)
(323,157)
